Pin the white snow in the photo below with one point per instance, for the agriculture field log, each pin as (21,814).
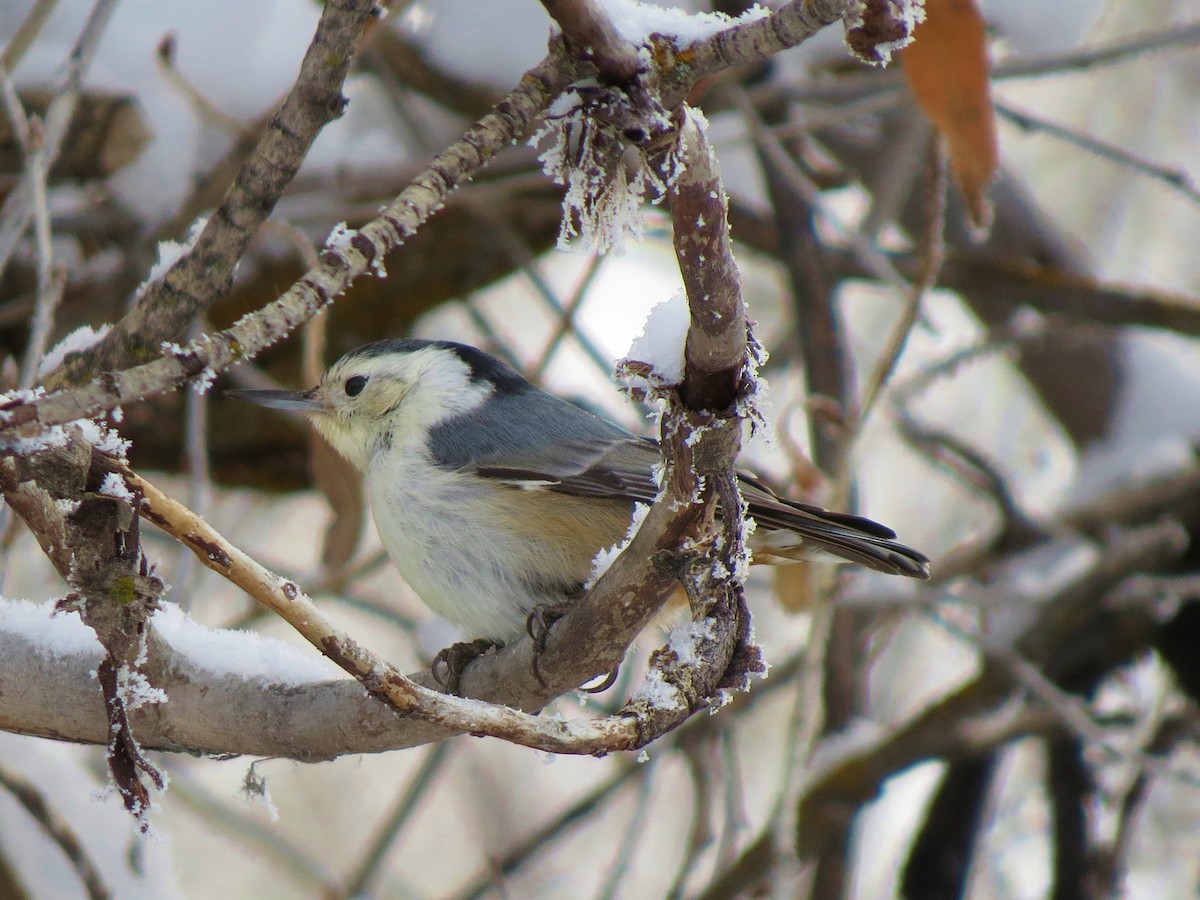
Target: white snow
(606,556)
(685,640)
(136,691)
(103,438)
(170,252)
(658,692)
(113,485)
(80,339)
(241,653)
(662,341)
(339,237)
(636,21)
(61,634)
(605,185)
(47,440)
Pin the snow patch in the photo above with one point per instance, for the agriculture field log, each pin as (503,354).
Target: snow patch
(240,653)
(636,21)
(606,174)
(114,485)
(41,624)
(135,691)
(604,557)
(658,693)
(103,438)
(78,340)
(169,253)
(339,237)
(686,640)
(661,344)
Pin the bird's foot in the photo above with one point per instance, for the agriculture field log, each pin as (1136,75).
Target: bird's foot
(538,625)
(448,665)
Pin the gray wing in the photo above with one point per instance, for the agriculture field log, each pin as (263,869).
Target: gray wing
(532,439)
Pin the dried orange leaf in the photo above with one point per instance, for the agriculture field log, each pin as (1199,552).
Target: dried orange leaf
(947,68)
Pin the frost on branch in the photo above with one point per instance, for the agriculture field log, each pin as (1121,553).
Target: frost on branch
(875,28)
(609,154)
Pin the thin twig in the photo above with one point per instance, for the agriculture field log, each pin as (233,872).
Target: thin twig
(576,812)
(565,323)
(57,829)
(1174,178)
(856,87)
(1072,711)
(195,437)
(167,308)
(423,780)
(26,33)
(632,836)
(591,35)
(700,831)
(514,244)
(18,206)
(205,109)
(870,257)
(268,845)
(50,282)
(932,248)
(338,268)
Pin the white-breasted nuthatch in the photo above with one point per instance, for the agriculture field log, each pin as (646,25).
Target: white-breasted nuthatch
(493,497)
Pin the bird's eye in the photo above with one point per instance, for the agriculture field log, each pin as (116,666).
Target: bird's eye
(355,385)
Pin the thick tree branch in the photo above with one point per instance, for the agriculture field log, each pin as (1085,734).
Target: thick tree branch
(715,354)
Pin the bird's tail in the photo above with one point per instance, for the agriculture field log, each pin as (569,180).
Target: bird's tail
(789,532)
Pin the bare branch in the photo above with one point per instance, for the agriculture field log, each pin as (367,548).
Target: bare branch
(25,34)
(339,266)
(57,829)
(171,304)
(18,206)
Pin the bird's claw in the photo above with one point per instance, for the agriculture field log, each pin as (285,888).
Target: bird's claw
(448,665)
(609,680)
(538,625)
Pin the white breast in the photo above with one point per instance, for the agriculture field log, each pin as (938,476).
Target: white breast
(435,527)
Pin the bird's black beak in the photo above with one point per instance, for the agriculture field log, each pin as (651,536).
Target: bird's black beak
(297,401)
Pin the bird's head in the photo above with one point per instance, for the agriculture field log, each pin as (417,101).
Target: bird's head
(392,393)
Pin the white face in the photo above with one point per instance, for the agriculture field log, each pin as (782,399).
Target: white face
(392,400)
